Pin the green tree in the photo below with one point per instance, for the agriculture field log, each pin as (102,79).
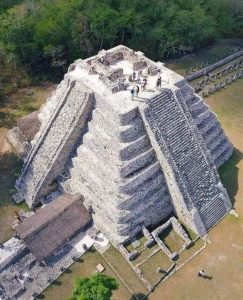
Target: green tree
(97,287)
(45,36)
(6,4)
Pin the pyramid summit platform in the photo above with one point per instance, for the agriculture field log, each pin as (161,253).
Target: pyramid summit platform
(136,160)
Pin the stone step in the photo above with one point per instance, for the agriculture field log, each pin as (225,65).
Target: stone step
(160,97)
(212,213)
(139,177)
(188,93)
(133,131)
(115,214)
(185,146)
(129,151)
(212,133)
(220,148)
(117,233)
(160,102)
(198,111)
(97,177)
(118,151)
(151,199)
(122,118)
(108,151)
(140,213)
(216,141)
(193,100)
(126,133)
(207,123)
(224,156)
(133,165)
(148,210)
(86,156)
(204,116)
(139,193)
(46,160)
(198,105)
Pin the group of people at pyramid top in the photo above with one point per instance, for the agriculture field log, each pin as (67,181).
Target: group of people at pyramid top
(136,77)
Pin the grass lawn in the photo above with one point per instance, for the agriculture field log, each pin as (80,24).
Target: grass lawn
(125,271)
(17,105)
(149,268)
(191,234)
(189,252)
(10,167)
(171,239)
(141,239)
(62,288)
(145,253)
(21,103)
(141,249)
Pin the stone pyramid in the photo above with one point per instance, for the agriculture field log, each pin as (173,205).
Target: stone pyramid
(135,161)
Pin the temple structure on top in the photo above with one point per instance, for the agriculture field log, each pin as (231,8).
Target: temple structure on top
(135,161)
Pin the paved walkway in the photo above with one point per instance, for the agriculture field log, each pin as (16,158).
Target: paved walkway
(25,278)
(9,248)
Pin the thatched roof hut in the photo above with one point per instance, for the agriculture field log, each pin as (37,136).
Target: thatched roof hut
(51,226)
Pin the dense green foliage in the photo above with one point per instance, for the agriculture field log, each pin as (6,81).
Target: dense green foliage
(6,4)
(98,287)
(46,35)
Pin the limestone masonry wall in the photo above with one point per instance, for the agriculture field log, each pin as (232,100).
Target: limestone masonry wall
(122,181)
(217,142)
(54,143)
(136,161)
(191,165)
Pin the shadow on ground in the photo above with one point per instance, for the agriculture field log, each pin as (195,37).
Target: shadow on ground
(7,119)
(139,297)
(10,166)
(228,173)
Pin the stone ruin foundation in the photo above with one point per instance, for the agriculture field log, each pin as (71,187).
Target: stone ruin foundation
(136,162)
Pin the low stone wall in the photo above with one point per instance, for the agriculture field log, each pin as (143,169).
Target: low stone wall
(221,84)
(213,66)
(148,236)
(181,232)
(178,229)
(128,255)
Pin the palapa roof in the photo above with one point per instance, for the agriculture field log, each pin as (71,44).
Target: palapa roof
(51,226)
(29,125)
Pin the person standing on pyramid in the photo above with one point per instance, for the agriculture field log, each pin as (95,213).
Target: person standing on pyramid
(132,93)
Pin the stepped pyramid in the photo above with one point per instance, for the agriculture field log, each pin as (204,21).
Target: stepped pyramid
(135,161)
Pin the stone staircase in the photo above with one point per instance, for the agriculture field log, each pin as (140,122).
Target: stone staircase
(54,143)
(208,125)
(182,145)
(118,173)
(212,213)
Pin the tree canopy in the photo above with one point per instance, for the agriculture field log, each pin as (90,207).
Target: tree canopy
(97,287)
(47,35)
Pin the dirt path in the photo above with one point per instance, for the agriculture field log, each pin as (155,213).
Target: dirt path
(4,145)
